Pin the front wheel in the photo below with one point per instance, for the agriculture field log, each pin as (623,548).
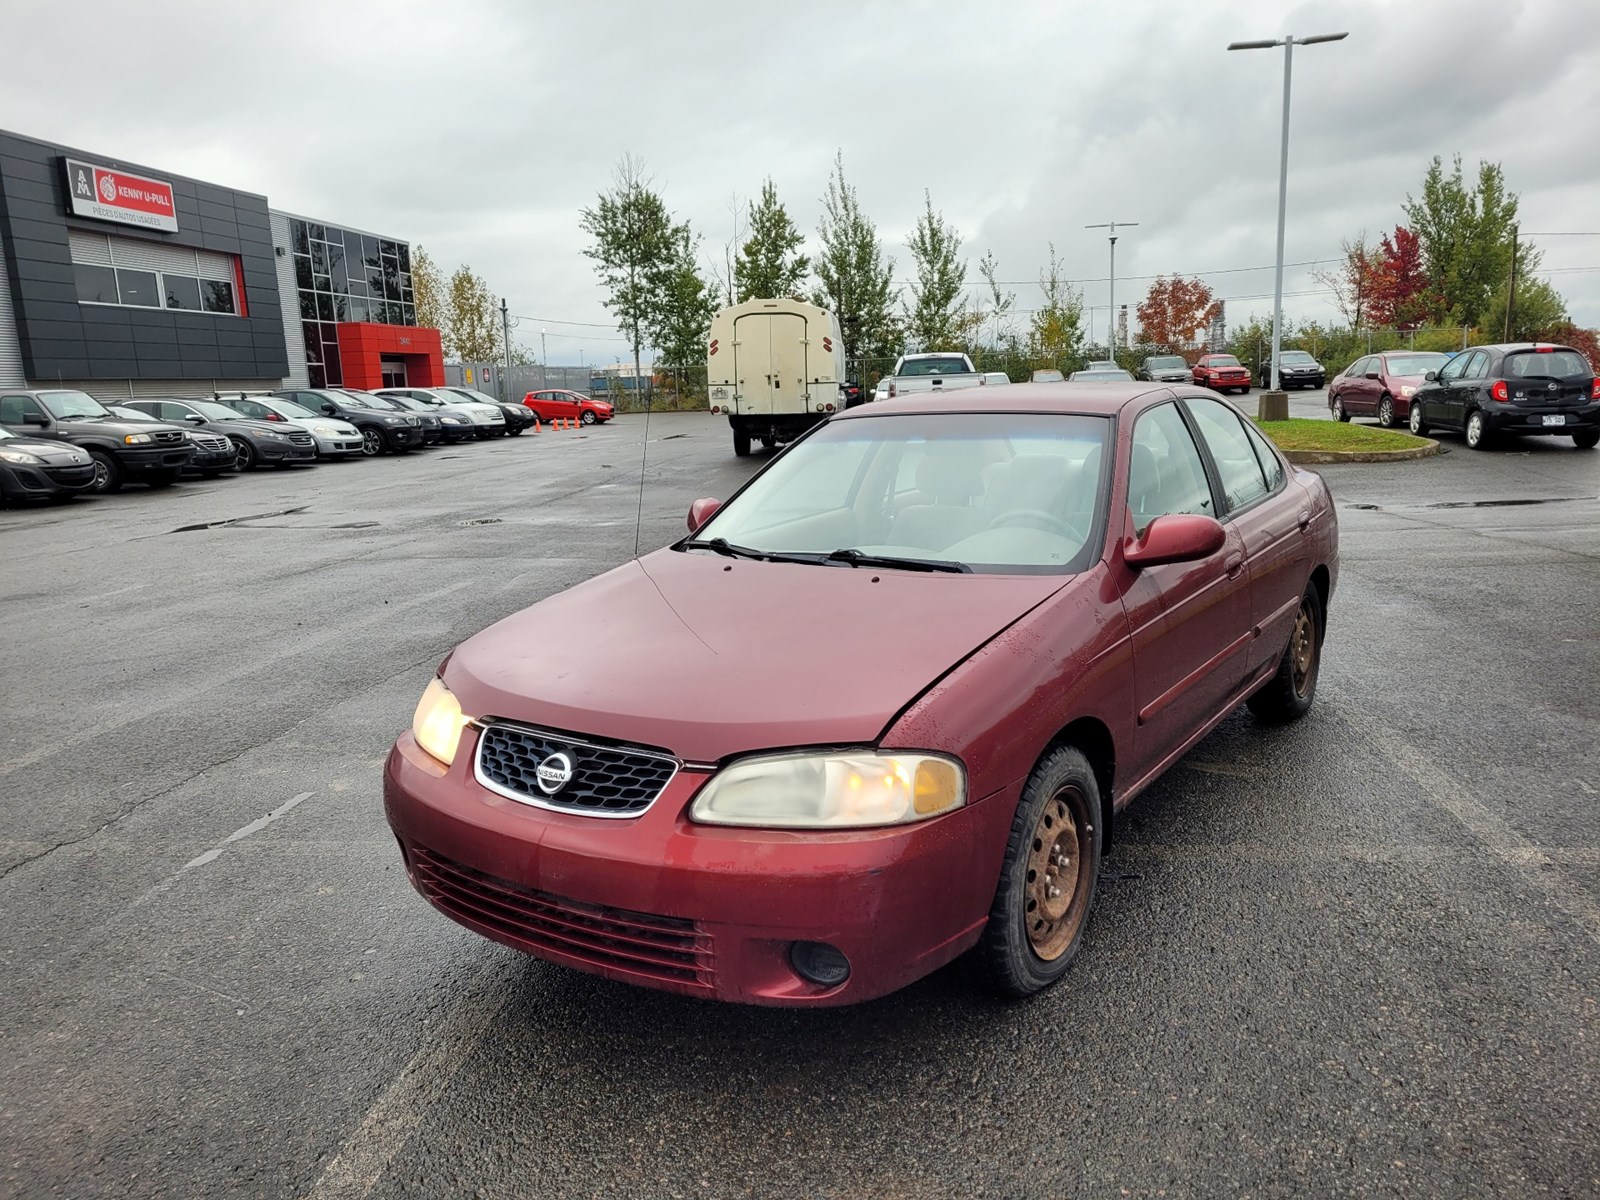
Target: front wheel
(371,443)
(1386,412)
(244,456)
(1338,410)
(1048,876)
(1288,694)
(741,443)
(1477,431)
(588,418)
(1416,424)
(1586,439)
(108,473)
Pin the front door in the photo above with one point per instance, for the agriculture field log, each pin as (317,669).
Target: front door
(394,373)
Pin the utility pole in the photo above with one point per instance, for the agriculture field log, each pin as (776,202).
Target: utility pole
(544,362)
(1111,297)
(505,332)
(1511,291)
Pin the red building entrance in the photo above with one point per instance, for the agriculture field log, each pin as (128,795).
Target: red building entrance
(369,352)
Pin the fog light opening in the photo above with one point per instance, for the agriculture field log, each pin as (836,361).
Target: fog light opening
(819,963)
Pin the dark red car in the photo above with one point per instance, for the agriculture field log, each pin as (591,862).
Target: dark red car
(1221,373)
(1381,385)
(556,403)
(880,708)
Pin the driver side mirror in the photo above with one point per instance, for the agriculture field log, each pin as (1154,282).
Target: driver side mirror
(328,408)
(195,419)
(36,418)
(1176,537)
(1372,375)
(702,511)
(1430,377)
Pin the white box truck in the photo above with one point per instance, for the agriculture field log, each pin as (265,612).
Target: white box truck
(775,367)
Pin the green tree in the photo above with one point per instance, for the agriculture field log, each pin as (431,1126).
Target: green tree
(681,323)
(1000,303)
(1466,238)
(473,317)
(1055,330)
(857,281)
(634,250)
(428,291)
(939,318)
(770,265)
(1537,311)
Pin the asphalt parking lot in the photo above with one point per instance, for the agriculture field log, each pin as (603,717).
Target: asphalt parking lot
(1356,956)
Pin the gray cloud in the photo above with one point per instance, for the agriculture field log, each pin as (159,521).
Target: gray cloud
(480,129)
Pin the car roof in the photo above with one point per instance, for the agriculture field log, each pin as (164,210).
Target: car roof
(1509,346)
(1093,399)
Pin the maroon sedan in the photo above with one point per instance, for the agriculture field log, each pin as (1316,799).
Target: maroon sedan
(1221,372)
(881,707)
(1381,385)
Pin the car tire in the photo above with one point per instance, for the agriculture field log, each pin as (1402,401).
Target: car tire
(517,432)
(768,443)
(1586,439)
(160,479)
(1415,423)
(244,456)
(1337,410)
(1035,926)
(741,444)
(371,443)
(1287,696)
(108,473)
(1477,433)
(1386,412)
(588,418)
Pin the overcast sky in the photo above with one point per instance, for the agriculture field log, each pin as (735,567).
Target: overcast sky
(481,129)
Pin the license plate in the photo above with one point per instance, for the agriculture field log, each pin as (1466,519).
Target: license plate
(1555,419)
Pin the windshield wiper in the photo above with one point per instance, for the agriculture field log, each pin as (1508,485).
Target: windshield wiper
(727,549)
(859,558)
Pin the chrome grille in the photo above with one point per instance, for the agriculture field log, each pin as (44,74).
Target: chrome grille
(302,439)
(212,444)
(606,781)
(168,437)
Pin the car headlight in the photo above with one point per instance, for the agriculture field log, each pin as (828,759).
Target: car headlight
(136,439)
(1407,390)
(452,421)
(437,723)
(831,791)
(272,437)
(394,420)
(20,457)
(325,430)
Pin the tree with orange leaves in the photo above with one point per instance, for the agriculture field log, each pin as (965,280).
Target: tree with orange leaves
(1175,310)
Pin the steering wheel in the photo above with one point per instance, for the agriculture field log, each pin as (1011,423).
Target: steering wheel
(1037,518)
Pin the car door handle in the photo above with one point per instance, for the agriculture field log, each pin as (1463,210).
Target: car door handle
(1304,520)
(1233,564)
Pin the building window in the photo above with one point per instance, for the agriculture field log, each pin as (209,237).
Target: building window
(218,296)
(138,288)
(96,285)
(182,292)
(343,275)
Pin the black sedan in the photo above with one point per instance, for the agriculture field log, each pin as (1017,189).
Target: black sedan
(383,431)
(38,469)
(214,453)
(1518,388)
(518,418)
(254,442)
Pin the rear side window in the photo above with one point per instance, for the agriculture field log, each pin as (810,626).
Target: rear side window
(1549,364)
(1242,480)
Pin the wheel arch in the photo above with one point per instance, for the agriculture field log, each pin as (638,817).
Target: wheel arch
(1092,737)
(1322,580)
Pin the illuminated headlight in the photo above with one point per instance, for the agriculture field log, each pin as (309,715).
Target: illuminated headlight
(20,457)
(136,439)
(831,791)
(1407,390)
(437,723)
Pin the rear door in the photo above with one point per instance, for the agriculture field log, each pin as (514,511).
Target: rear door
(789,362)
(752,363)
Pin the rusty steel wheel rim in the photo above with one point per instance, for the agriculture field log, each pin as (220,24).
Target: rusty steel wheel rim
(1303,649)
(1055,867)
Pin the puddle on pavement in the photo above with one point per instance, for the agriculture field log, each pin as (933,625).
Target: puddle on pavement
(1526,503)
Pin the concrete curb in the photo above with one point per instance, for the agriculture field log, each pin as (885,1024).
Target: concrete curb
(1361,456)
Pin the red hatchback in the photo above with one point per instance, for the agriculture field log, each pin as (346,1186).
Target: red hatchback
(556,403)
(1381,385)
(1046,607)
(1221,372)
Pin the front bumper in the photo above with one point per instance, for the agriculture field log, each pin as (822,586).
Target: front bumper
(334,446)
(280,452)
(21,481)
(213,460)
(1217,381)
(1511,418)
(139,461)
(659,901)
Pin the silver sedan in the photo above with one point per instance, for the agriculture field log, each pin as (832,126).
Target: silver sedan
(335,438)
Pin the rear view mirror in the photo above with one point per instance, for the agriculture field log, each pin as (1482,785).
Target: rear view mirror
(702,511)
(1430,376)
(1372,375)
(34,418)
(1176,537)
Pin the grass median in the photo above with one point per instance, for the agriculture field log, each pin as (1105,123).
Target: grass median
(1299,433)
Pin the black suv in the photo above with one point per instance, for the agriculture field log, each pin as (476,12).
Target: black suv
(383,431)
(1519,388)
(1296,369)
(122,450)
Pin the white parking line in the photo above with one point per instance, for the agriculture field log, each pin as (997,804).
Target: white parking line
(255,826)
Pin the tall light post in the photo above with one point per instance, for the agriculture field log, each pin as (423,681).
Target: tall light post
(1111,297)
(544,362)
(1288,42)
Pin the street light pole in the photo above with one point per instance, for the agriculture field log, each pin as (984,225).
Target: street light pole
(544,362)
(1111,298)
(1288,42)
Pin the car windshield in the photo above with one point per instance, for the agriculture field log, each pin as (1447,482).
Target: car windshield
(215,412)
(346,400)
(403,402)
(999,493)
(1224,360)
(1296,356)
(477,397)
(1414,364)
(1547,364)
(934,366)
(1101,377)
(1171,362)
(68,404)
(286,408)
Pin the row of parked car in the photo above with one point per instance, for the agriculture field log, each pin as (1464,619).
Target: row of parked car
(56,443)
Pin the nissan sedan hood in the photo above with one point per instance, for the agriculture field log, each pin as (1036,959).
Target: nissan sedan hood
(707,657)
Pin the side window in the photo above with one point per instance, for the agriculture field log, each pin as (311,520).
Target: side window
(1478,368)
(1452,370)
(252,408)
(168,411)
(14,408)
(1165,474)
(1356,369)
(1271,464)
(1242,480)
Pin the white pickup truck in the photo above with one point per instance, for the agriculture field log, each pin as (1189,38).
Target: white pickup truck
(938,373)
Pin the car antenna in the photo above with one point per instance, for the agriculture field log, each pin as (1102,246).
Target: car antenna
(644,456)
